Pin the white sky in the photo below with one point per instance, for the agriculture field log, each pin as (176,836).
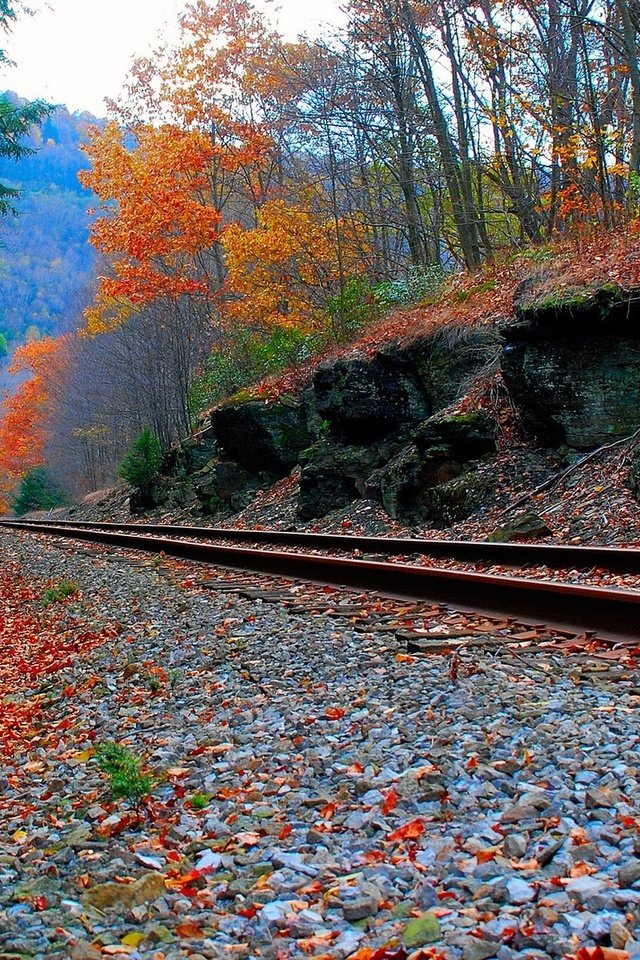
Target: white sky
(78,52)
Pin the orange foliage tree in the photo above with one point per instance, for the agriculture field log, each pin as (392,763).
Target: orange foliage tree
(282,272)
(158,223)
(25,414)
(194,157)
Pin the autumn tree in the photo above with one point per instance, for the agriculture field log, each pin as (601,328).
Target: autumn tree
(282,271)
(26,415)
(193,158)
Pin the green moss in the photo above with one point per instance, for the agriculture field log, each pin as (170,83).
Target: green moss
(464,418)
(463,296)
(536,254)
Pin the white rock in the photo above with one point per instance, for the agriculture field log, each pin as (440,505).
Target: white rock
(519,891)
(208,861)
(581,888)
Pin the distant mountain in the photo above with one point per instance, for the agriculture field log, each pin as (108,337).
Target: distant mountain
(46,262)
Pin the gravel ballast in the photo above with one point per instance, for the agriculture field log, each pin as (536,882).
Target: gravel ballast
(316,790)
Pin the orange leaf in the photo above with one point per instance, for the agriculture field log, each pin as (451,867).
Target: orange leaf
(334,713)
(373,856)
(391,799)
(601,953)
(189,930)
(355,768)
(484,856)
(409,831)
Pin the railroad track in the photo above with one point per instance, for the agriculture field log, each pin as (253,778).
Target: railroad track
(610,613)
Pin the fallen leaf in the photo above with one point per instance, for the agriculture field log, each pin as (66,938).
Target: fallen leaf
(409,831)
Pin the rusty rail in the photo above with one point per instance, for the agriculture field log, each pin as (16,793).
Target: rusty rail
(610,613)
(555,556)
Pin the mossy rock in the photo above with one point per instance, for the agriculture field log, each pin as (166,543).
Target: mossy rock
(421,930)
(445,363)
(579,309)
(363,399)
(529,526)
(334,475)
(262,436)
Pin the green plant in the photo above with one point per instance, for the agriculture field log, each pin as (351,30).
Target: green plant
(418,284)
(247,357)
(141,465)
(38,491)
(537,254)
(174,676)
(64,589)
(126,782)
(463,296)
(352,308)
(200,800)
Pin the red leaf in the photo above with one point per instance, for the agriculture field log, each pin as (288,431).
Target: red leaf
(334,713)
(391,799)
(409,831)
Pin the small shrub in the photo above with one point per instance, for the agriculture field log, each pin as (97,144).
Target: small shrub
(64,589)
(200,800)
(141,465)
(38,491)
(246,358)
(353,308)
(418,284)
(126,782)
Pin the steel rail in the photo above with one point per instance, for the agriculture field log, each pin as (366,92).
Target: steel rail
(611,614)
(556,556)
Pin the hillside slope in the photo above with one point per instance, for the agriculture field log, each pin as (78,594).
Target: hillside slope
(46,262)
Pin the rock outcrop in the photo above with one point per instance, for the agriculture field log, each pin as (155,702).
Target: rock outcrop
(571,362)
(262,436)
(382,426)
(362,400)
(417,483)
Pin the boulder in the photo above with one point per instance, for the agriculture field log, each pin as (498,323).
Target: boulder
(223,485)
(262,436)
(529,526)
(332,476)
(362,400)
(190,455)
(443,448)
(457,436)
(571,362)
(458,499)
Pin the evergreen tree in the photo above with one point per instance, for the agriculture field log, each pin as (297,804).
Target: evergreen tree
(38,491)
(141,466)
(16,119)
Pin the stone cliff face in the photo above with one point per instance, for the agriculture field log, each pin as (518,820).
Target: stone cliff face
(571,362)
(384,428)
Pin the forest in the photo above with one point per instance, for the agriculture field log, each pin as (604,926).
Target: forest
(257,202)
(46,262)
